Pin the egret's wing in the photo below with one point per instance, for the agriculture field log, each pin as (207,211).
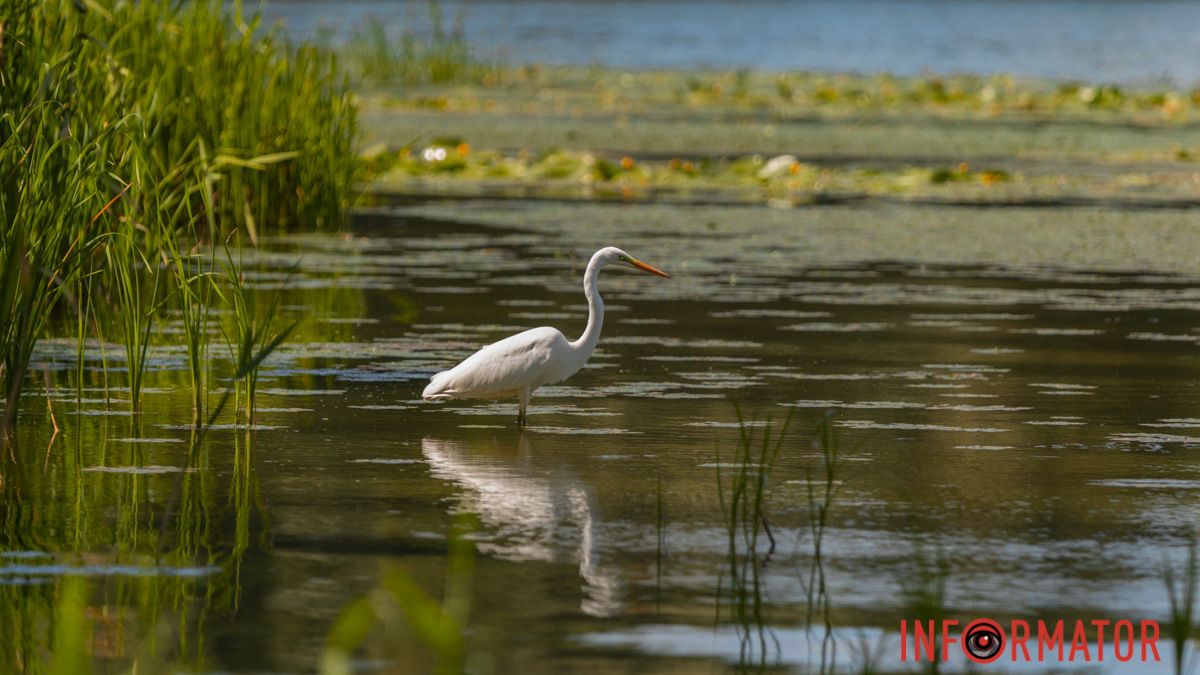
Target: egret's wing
(500,368)
(434,391)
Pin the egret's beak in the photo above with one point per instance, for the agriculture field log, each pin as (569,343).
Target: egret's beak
(648,268)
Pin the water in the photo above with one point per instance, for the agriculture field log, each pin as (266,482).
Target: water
(1031,425)
(1109,41)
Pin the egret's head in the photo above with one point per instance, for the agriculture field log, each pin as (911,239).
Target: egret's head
(616,255)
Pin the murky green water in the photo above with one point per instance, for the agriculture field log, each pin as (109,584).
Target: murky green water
(1031,427)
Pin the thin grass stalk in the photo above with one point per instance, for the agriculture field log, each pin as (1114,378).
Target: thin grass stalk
(252,330)
(38,263)
(924,594)
(127,263)
(83,313)
(1181,593)
(193,293)
(819,506)
(746,522)
(104,94)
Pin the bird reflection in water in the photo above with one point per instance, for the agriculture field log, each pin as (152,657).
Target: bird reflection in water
(530,511)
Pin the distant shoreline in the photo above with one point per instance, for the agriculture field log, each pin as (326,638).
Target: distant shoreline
(1127,42)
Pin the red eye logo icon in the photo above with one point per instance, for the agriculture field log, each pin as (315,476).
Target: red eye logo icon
(983,640)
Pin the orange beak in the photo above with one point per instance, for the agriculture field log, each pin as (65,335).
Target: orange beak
(652,270)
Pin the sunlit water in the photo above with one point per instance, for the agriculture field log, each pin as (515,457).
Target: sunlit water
(1109,41)
(1035,430)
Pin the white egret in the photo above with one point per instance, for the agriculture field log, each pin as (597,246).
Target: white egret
(516,366)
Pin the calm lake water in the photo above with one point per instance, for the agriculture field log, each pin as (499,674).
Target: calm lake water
(1105,40)
(1027,436)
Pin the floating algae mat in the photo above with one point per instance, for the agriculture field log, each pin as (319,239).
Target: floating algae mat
(1021,451)
(786,139)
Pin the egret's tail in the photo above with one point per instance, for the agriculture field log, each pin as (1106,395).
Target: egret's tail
(436,389)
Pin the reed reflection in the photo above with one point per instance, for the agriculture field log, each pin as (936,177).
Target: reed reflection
(131,560)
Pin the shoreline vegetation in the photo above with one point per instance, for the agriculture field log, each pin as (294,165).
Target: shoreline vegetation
(146,148)
(470,127)
(141,144)
(787,139)
(182,133)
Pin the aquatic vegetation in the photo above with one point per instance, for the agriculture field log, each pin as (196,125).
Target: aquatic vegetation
(374,57)
(223,81)
(456,163)
(436,167)
(398,605)
(137,302)
(71,634)
(86,590)
(732,136)
(865,655)
(254,335)
(193,281)
(47,188)
(923,591)
(1182,586)
(106,181)
(788,95)
(743,497)
(820,490)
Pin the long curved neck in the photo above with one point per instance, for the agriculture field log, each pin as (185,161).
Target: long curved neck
(591,335)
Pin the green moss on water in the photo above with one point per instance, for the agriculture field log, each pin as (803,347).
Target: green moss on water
(851,134)
(955,138)
(756,177)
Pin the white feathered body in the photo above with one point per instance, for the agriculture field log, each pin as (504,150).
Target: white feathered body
(516,366)
(505,369)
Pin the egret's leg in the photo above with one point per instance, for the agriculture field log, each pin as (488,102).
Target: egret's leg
(525,396)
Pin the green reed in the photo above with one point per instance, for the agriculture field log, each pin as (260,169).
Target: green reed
(38,263)
(923,591)
(246,498)
(398,601)
(147,623)
(142,623)
(743,498)
(133,133)
(192,279)
(136,305)
(200,71)
(253,332)
(821,489)
(72,653)
(374,57)
(865,655)
(1182,589)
